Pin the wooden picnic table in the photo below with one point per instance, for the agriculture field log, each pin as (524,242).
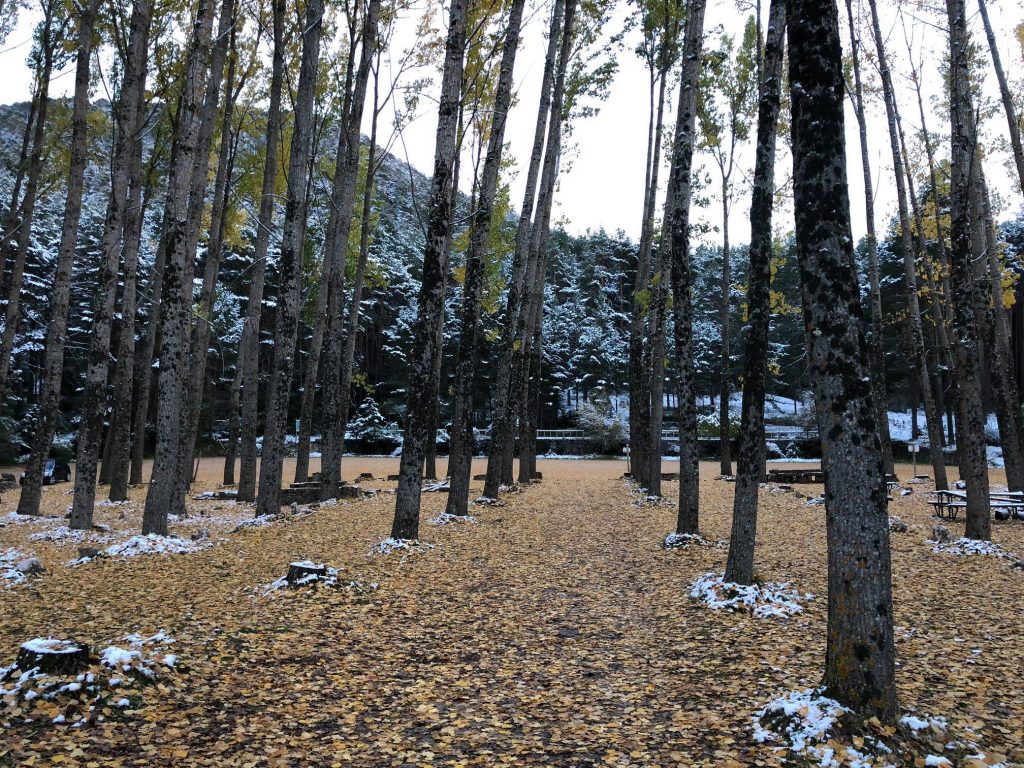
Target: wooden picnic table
(948,503)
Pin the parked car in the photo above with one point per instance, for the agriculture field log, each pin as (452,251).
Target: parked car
(55,471)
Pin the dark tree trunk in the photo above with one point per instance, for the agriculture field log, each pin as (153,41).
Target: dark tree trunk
(933,420)
(532,316)
(875,353)
(352,322)
(859,658)
(677,228)
(1012,122)
(346,180)
(751,459)
(187,165)
(249,352)
(60,291)
(200,336)
(20,231)
(309,380)
(643,445)
(120,434)
(724,452)
(940,299)
(499,455)
(144,355)
(422,392)
(997,333)
(234,426)
(966,290)
(268,501)
(127,116)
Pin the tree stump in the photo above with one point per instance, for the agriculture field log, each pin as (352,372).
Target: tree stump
(52,656)
(393,477)
(480,477)
(300,570)
(89,552)
(349,492)
(365,476)
(941,534)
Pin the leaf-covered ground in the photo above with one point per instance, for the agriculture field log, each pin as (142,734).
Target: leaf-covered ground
(555,631)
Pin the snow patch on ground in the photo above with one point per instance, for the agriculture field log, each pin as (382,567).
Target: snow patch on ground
(447,519)
(405,546)
(150,544)
(73,535)
(768,600)
(808,724)
(10,574)
(683,540)
(965,546)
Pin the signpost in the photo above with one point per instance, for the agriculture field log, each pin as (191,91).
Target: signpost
(914,448)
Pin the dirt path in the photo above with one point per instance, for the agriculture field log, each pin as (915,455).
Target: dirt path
(555,631)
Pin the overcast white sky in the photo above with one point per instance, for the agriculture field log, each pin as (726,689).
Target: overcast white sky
(603,187)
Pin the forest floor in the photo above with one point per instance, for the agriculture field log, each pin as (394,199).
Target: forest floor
(555,631)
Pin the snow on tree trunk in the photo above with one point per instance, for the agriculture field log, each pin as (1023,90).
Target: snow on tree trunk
(859,659)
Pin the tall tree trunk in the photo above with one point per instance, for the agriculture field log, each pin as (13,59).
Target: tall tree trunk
(249,352)
(643,445)
(1012,121)
(532,317)
(290,268)
(121,420)
(933,420)
(751,459)
(997,332)
(724,454)
(352,321)
(128,120)
(309,380)
(941,310)
(186,162)
(145,355)
(343,197)
(859,657)
(21,232)
(499,454)
(200,335)
(876,356)
(56,334)
(677,228)
(234,425)
(966,291)
(422,391)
